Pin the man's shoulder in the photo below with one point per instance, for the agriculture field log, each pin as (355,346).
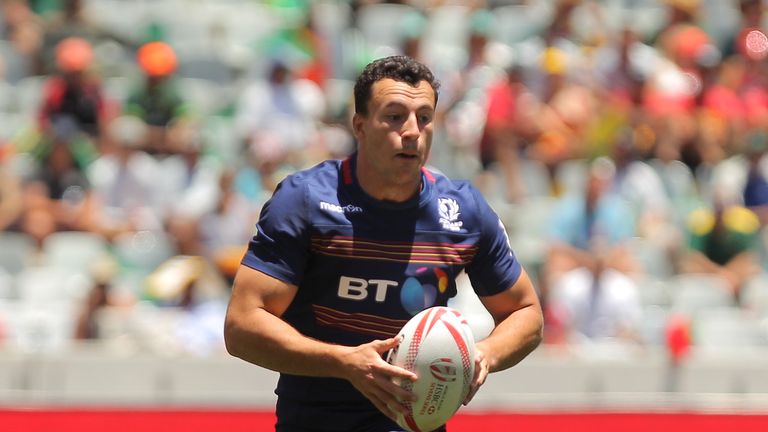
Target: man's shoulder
(448,185)
(323,175)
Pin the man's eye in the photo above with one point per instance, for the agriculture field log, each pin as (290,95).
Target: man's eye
(425,119)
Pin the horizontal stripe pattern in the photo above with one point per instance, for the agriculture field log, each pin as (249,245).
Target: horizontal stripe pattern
(373,325)
(415,252)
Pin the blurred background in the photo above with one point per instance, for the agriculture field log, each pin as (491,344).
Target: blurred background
(622,143)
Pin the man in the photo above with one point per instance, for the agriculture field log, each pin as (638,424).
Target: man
(320,293)
(74,94)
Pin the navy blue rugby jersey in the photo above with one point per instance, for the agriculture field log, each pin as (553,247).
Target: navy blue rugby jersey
(363,267)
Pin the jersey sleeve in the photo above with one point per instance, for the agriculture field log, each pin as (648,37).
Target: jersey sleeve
(281,243)
(494,267)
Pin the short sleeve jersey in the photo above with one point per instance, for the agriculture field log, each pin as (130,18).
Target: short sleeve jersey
(363,267)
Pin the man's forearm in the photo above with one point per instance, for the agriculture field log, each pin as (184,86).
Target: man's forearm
(513,339)
(266,340)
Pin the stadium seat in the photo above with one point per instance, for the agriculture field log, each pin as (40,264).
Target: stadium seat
(645,17)
(117,88)
(7,289)
(16,65)
(51,284)
(380,23)
(754,294)
(654,261)
(126,19)
(446,31)
(204,66)
(8,103)
(532,216)
(654,291)
(17,251)
(74,250)
(518,22)
(571,176)
(653,325)
(220,136)
(531,250)
(535,178)
(694,292)
(141,252)
(40,327)
(332,17)
(206,96)
(338,93)
(727,327)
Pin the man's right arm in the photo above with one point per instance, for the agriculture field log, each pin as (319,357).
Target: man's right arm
(254,332)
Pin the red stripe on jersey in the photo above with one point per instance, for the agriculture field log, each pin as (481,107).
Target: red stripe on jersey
(428,175)
(346,170)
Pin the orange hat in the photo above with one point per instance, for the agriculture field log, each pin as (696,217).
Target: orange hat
(73,54)
(157,59)
(689,41)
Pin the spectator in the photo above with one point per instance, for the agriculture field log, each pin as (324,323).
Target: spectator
(462,99)
(721,241)
(99,296)
(74,94)
(71,20)
(225,229)
(10,195)
(756,187)
(277,120)
(751,15)
(508,126)
(188,185)
(157,101)
(58,194)
(589,293)
(123,179)
(24,31)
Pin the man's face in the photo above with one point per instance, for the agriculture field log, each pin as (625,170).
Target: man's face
(395,137)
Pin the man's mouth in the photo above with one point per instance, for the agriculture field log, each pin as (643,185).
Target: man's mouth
(407,156)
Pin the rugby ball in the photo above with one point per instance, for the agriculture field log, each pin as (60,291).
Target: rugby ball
(438,346)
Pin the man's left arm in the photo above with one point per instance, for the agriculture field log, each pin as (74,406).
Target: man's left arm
(518,329)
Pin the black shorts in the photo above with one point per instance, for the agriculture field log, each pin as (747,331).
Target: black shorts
(333,417)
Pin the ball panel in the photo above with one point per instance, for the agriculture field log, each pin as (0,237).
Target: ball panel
(438,346)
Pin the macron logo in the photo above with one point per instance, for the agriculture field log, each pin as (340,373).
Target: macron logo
(349,208)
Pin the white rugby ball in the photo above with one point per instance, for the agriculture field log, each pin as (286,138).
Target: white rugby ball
(438,346)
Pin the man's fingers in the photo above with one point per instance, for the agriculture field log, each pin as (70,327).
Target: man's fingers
(382,346)
(481,373)
(401,394)
(387,402)
(393,371)
(383,407)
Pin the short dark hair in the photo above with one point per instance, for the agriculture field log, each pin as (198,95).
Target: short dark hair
(399,68)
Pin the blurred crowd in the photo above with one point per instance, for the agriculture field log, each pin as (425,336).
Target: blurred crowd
(622,143)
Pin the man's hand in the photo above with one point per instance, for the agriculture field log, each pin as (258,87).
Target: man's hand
(481,373)
(374,377)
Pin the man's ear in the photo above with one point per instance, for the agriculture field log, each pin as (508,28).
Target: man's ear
(357,126)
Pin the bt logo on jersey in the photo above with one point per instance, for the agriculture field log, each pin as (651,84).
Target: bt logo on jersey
(417,292)
(357,289)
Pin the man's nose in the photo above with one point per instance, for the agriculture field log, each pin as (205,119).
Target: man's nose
(410,128)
